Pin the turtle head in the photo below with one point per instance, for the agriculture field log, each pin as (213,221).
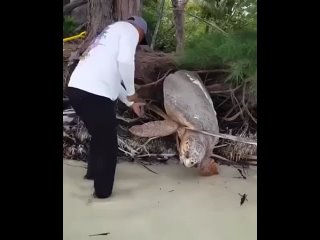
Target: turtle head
(192,149)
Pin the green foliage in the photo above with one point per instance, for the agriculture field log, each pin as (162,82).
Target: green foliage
(229,15)
(206,47)
(69,26)
(238,50)
(166,35)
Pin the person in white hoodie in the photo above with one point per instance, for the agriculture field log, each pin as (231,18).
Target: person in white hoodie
(104,74)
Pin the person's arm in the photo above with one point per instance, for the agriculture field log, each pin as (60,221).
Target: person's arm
(126,56)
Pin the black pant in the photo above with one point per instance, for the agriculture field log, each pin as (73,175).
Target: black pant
(98,114)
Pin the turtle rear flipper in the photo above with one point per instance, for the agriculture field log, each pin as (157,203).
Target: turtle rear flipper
(155,129)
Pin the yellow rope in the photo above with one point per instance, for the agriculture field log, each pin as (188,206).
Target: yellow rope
(80,35)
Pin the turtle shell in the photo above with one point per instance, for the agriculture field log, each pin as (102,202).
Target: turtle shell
(193,106)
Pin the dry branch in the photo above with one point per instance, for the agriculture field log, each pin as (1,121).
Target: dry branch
(138,87)
(226,136)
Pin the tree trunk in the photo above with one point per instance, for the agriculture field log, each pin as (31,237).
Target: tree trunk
(67,8)
(66,2)
(160,14)
(178,13)
(127,8)
(100,15)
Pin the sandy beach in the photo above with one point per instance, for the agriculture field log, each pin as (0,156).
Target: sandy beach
(174,204)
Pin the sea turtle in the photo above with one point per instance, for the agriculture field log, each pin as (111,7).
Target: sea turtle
(187,104)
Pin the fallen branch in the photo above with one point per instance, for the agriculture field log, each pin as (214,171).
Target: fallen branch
(252,157)
(234,163)
(226,136)
(138,87)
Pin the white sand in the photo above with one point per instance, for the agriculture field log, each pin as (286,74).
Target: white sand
(143,205)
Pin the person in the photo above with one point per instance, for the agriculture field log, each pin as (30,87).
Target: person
(104,74)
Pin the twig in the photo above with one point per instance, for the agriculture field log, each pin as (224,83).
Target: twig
(250,157)
(80,27)
(223,158)
(220,146)
(143,146)
(223,102)
(142,164)
(229,112)
(157,155)
(214,71)
(239,105)
(160,14)
(226,136)
(214,25)
(158,111)
(232,162)
(138,87)
(122,150)
(245,105)
(128,120)
(233,117)
(205,79)
(99,234)
(242,173)
(232,90)
(68,136)
(133,152)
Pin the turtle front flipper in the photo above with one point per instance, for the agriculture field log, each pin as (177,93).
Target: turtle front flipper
(155,129)
(208,167)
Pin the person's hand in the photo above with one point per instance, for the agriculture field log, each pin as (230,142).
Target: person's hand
(133,98)
(138,108)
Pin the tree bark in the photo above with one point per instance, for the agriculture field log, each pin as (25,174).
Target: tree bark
(178,13)
(72,5)
(100,15)
(127,8)
(65,2)
(160,14)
